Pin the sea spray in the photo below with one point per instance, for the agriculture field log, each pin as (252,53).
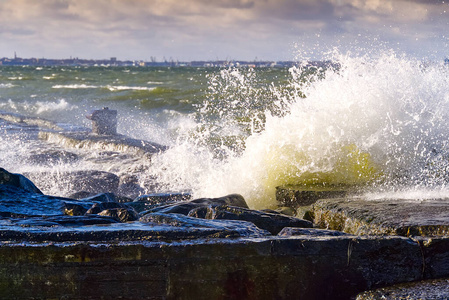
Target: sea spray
(379,121)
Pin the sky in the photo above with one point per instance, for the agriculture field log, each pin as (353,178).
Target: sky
(187,30)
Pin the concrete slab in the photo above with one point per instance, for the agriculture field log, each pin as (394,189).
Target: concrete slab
(430,289)
(429,217)
(303,267)
(85,140)
(299,195)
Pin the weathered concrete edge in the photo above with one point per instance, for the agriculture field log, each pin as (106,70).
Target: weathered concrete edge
(301,267)
(20,119)
(329,215)
(428,289)
(105,143)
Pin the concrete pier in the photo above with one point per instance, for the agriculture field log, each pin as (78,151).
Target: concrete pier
(104,121)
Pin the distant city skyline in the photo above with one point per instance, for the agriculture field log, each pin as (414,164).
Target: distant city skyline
(113,61)
(190,30)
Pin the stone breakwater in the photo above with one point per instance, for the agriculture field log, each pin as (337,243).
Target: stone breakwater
(107,241)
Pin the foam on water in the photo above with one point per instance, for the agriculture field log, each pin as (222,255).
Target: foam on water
(111,88)
(40,108)
(75,86)
(375,121)
(6,85)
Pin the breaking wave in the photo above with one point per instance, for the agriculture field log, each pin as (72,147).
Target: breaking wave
(379,121)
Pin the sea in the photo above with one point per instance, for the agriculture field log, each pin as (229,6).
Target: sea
(378,123)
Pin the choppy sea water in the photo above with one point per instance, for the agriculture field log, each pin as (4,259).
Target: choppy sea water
(379,122)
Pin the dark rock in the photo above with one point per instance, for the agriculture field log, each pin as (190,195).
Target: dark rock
(274,223)
(52,157)
(436,256)
(103,197)
(225,228)
(305,212)
(120,214)
(186,206)
(18,180)
(93,181)
(67,221)
(74,208)
(20,202)
(81,207)
(232,207)
(429,289)
(81,195)
(288,211)
(90,181)
(149,201)
(123,199)
(99,207)
(118,211)
(129,186)
(35,222)
(202,212)
(295,231)
(264,268)
(300,195)
(387,216)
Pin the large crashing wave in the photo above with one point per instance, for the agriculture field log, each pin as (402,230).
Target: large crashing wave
(379,121)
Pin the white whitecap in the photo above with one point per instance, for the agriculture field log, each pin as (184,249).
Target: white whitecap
(124,88)
(6,85)
(74,86)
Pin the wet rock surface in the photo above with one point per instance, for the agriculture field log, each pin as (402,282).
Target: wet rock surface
(299,195)
(90,181)
(35,210)
(52,157)
(429,217)
(108,240)
(430,289)
(232,207)
(294,231)
(18,181)
(149,201)
(263,268)
(117,142)
(19,202)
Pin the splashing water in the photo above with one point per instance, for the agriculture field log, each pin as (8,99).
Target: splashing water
(379,121)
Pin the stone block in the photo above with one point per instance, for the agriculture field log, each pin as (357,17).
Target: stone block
(262,268)
(402,217)
(298,195)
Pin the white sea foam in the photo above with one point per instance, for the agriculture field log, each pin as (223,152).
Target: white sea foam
(41,108)
(51,106)
(74,86)
(111,88)
(6,85)
(381,119)
(124,88)
(411,194)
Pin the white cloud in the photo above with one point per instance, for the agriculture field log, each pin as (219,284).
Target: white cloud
(190,29)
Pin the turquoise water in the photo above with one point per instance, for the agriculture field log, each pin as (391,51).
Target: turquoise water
(380,122)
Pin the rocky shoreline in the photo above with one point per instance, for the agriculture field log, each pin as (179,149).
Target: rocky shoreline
(105,240)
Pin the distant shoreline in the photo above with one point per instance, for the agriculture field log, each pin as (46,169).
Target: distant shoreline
(113,62)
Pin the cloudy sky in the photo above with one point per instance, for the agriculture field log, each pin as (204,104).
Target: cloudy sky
(220,29)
